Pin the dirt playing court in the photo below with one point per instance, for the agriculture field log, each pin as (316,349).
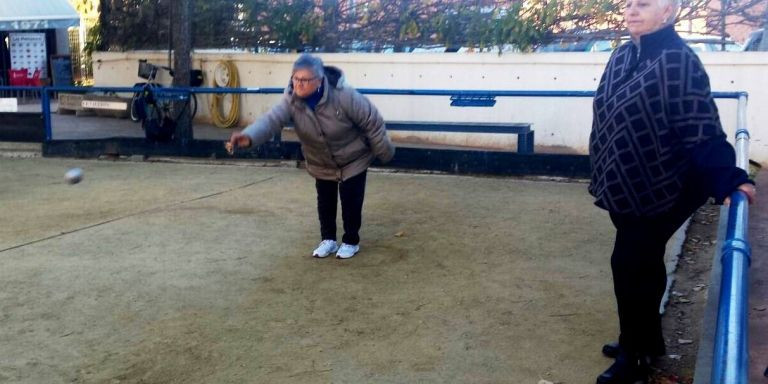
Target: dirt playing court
(152,272)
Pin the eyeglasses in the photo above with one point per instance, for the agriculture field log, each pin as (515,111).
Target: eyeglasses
(301,81)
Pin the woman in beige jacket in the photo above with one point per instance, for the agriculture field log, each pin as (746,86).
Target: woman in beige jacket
(341,133)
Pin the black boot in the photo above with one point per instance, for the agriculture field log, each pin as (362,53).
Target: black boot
(628,369)
(613,349)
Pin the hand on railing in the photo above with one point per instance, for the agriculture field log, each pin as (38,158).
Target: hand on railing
(748,190)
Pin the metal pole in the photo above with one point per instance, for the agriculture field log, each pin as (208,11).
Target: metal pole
(182,61)
(742,134)
(730,363)
(46,100)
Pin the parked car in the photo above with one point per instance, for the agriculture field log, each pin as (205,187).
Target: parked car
(697,42)
(581,45)
(754,40)
(709,43)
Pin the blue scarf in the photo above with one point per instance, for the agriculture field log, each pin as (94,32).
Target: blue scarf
(314,98)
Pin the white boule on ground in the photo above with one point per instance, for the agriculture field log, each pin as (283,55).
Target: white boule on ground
(74,176)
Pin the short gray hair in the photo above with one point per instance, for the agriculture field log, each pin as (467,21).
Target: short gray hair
(307,61)
(675,9)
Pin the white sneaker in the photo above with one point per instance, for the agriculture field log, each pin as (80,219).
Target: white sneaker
(325,248)
(347,250)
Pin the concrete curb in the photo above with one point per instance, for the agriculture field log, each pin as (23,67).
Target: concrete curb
(20,150)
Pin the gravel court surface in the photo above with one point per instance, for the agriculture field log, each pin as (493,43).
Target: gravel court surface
(200,273)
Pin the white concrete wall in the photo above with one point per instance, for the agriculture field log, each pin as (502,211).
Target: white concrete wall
(561,124)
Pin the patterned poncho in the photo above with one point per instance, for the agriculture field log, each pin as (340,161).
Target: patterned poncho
(656,130)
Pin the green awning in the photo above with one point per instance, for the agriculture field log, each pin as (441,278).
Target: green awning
(20,15)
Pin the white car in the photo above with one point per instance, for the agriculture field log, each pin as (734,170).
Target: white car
(697,42)
(709,43)
(754,40)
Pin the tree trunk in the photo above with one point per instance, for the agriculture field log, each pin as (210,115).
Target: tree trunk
(723,15)
(105,10)
(182,60)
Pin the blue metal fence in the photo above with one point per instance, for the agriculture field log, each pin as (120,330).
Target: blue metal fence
(45,93)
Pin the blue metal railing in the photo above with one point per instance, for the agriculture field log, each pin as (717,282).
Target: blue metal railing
(45,94)
(730,360)
(369,91)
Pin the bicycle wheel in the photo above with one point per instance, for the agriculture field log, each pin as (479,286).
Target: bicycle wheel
(192,106)
(135,115)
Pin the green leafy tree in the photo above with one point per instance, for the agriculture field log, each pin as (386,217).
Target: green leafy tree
(281,24)
(395,24)
(217,24)
(342,25)
(135,24)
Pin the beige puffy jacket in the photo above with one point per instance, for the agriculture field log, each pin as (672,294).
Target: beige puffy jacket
(339,139)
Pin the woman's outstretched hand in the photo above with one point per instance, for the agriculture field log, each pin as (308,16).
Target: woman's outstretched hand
(237,140)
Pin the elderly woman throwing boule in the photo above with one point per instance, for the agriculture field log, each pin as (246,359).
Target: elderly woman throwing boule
(341,133)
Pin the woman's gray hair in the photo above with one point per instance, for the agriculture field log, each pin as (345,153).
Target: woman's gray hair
(307,61)
(675,9)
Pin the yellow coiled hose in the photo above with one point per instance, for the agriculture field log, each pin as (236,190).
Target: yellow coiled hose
(217,102)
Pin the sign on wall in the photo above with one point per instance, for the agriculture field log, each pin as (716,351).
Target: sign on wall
(9,104)
(61,68)
(25,24)
(28,51)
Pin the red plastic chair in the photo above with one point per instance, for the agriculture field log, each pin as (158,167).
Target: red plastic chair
(18,77)
(34,81)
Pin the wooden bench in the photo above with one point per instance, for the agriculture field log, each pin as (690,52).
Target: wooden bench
(107,105)
(70,103)
(93,104)
(523,130)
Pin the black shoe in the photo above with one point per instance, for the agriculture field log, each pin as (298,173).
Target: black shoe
(626,370)
(611,349)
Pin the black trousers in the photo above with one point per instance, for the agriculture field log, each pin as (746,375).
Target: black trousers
(639,273)
(351,192)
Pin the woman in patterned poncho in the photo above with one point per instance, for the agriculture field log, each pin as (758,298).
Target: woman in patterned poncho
(658,152)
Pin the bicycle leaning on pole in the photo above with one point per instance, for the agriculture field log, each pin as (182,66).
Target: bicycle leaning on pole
(153,105)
